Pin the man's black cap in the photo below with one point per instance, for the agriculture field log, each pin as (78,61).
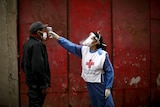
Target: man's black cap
(36,26)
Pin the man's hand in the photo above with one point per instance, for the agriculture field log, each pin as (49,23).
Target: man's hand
(107,93)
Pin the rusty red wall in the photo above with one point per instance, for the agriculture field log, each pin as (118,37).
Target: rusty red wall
(86,16)
(129,28)
(131,39)
(155,52)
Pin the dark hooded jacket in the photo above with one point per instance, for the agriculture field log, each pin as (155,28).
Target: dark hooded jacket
(35,63)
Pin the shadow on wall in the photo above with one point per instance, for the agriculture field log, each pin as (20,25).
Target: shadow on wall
(3,105)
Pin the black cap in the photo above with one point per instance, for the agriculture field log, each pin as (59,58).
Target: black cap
(36,26)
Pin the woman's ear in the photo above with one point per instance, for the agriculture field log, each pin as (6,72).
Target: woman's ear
(95,42)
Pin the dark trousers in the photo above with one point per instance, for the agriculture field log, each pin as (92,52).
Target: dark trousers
(36,97)
(97,95)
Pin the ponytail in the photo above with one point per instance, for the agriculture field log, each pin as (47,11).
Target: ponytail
(100,40)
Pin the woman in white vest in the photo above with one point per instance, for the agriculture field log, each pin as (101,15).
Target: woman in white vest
(97,70)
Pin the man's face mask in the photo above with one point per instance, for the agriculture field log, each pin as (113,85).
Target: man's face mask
(44,35)
(88,42)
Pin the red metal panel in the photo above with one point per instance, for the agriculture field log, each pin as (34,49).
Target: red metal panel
(52,12)
(79,99)
(135,97)
(154,4)
(56,100)
(86,16)
(131,38)
(155,62)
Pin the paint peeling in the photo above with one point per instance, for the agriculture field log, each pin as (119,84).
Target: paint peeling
(124,62)
(144,58)
(64,86)
(128,54)
(125,80)
(136,64)
(158,80)
(135,80)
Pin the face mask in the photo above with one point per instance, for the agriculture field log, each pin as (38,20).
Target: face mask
(89,40)
(44,35)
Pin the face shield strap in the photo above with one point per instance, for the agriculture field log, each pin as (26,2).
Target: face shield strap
(97,38)
(104,44)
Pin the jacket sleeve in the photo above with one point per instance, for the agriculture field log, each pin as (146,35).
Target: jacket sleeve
(38,66)
(25,63)
(71,47)
(109,72)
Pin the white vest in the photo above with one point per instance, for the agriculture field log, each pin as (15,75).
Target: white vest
(92,65)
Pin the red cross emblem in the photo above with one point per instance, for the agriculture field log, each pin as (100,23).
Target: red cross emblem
(90,63)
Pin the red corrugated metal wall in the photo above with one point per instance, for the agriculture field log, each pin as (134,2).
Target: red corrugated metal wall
(155,52)
(131,39)
(130,30)
(85,16)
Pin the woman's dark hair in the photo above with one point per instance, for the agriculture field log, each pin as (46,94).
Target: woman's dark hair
(100,39)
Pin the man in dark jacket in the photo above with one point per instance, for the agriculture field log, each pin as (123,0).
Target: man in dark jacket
(35,65)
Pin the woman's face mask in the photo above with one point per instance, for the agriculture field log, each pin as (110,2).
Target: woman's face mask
(88,42)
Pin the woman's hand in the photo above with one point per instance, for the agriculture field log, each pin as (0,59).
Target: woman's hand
(53,35)
(107,93)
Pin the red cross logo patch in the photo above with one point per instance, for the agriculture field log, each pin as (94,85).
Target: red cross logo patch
(90,63)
